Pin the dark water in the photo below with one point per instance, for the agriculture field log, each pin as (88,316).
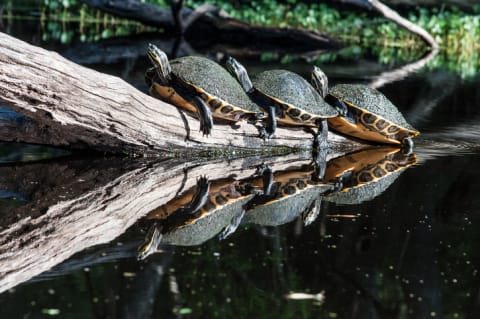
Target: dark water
(410,252)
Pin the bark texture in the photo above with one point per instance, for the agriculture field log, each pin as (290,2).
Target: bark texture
(76,107)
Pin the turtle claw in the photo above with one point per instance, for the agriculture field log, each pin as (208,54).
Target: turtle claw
(206,128)
(264,134)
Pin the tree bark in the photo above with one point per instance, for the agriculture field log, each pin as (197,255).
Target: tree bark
(75,107)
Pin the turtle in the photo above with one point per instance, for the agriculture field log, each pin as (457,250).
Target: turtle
(287,97)
(367,114)
(199,85)
(197,215)
(287,194)
(363,175)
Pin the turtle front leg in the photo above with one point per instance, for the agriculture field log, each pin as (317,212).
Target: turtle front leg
(204,115)
(232,227)
(340,106)
(199,198)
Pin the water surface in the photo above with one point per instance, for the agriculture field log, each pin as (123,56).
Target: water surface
(410,252)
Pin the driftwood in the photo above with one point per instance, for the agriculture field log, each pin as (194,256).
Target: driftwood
(80,108)
(75,204)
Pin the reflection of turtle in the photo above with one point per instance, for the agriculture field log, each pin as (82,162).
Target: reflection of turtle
(288,96)
(366,174)
(199,85)
(369,115)
(197,215)
(290,194)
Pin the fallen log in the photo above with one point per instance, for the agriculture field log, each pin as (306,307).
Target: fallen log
(76,107)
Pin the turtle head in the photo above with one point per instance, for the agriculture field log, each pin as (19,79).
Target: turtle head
(150,245)
(160,61)
(239,71)
(320,81)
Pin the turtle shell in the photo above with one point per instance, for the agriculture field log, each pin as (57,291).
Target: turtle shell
(368,173)
(206,226)
(377,119)
(292,193)
(210,77)
(300,100)
(284,209)
(224,202)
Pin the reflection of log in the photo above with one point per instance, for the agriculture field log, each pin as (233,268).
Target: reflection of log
(76,204)
(145,13)
(82,108)
(401,72)
(221,28)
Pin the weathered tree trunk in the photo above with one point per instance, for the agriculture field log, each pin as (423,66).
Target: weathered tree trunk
(75,204)
(76,107)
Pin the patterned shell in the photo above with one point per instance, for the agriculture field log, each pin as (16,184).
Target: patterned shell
(371,100)
(292,89)
(212,78)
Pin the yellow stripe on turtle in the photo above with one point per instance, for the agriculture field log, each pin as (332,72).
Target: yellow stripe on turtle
(220,109)
(368,165)
(221,193)
(292,115)
(371,127)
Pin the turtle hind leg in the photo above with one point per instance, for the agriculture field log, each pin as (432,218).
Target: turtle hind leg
(204,115)
(320,148)
(271,123)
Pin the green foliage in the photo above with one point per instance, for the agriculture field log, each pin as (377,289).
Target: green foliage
(63,20)
(456,32)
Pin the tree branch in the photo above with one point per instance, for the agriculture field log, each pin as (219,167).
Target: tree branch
(405,23)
